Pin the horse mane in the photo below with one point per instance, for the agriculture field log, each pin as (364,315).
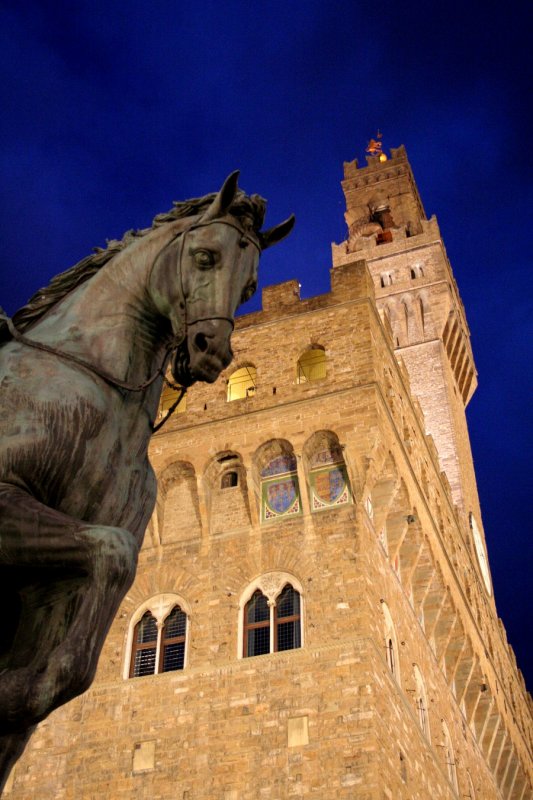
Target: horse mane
(250,210)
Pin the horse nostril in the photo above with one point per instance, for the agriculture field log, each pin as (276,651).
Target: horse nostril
(200,342)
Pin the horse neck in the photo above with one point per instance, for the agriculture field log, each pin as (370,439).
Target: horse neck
(109,321)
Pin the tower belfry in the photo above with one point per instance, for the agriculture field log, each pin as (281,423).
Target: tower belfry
(313,614)
(418,299)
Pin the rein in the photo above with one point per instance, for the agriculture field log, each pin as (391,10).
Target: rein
(106,376)
(170,348)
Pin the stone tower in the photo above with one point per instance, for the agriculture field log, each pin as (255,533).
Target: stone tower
(313,613)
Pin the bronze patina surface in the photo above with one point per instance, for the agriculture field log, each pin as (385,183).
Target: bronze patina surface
(81,372)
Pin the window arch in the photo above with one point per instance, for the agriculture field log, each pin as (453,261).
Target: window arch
(157,638)
(421,703)
(229,480)
(280,492)
(449,756)
(168,397)
(328,478)
(270,616)
(311,365)
(391,643)
(471,790)
(242,383)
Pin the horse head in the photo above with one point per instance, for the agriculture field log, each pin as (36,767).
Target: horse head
(203,275)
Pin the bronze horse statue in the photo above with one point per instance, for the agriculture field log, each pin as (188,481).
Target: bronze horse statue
(81,372)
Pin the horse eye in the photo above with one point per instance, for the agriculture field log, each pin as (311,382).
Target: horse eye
(248,292)
(204,259)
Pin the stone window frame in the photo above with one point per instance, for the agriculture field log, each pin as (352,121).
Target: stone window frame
(160,606)
(301,377)
(229,479)
(168,398)
(449,756)
(271,585)
(421,703)
(250,381)
(392,651)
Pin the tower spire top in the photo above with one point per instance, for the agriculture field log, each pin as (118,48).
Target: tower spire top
(375,147)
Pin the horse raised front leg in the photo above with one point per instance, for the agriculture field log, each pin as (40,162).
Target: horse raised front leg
(65,579)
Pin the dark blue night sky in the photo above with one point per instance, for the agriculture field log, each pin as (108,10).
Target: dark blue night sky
(112,110)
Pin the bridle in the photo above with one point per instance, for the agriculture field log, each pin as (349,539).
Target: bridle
(171,347)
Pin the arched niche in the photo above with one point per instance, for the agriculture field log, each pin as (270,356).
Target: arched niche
(177,504)
(276,478)
(226,493)
(242,383)
(311,365)
(327,475)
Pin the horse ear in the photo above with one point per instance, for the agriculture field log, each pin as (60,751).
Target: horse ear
(224,198)
(276,234)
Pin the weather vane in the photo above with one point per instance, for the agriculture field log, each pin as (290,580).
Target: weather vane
(375,147)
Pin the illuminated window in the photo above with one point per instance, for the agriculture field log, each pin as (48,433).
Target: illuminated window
(168,398)
(242,383)
(280,493)
(311,366)
(272,626)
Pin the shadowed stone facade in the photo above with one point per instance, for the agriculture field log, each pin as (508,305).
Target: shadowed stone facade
(357,490)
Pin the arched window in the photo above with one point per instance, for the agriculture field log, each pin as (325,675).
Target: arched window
(471,791)
(280,494)
(229,480)
(311,365)
(287,620)
(158,638)
(391,643)
(449,756)
(242,383)
(257,625)
(173,641)
(272,616)
(144,647)
(421,703)
(328,478)
(168,398)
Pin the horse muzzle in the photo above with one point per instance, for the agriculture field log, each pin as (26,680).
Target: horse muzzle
(209,349)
